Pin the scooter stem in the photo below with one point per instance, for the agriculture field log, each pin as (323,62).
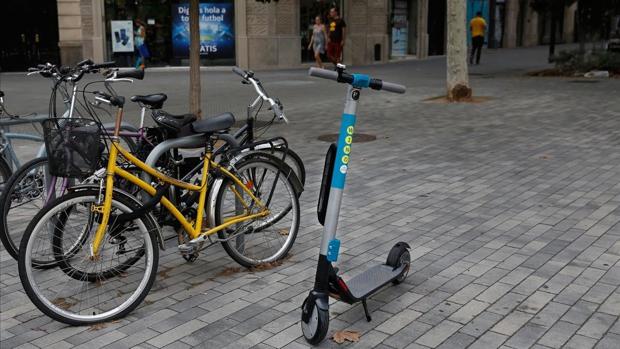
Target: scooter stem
(329,249)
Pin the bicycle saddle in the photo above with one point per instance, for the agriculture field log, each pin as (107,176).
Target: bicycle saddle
(172,122)
(154,101)
(213,124)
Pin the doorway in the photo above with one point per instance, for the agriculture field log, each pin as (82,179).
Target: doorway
(29,34)
(436,27)
(308,10)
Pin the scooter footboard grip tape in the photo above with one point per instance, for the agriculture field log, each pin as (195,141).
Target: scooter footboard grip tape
(332,250)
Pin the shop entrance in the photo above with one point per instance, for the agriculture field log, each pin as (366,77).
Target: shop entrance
(308,10)
(29,34)
(402,28)
(436,27)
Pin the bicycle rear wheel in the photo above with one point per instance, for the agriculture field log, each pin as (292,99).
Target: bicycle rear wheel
(5,172)
(262,240)
(25,194)
(85,290)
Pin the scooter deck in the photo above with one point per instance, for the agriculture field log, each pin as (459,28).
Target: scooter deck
(372,279)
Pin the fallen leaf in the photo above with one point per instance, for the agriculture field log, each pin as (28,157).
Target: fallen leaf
(63,303)
(97,327)
(229,271)
(342,336)
(283,232)
(164,273)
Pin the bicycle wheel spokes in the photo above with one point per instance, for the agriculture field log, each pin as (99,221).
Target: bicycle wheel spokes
(266,239)
(26,194)
(85,289)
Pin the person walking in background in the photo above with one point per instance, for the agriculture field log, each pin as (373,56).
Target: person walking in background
(337,35)
(140,44)
(318,40)
(478,27)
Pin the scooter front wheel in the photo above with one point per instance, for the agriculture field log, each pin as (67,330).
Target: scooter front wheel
(316,328)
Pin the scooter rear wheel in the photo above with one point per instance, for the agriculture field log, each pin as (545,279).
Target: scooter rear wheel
(398,256)
(316,328)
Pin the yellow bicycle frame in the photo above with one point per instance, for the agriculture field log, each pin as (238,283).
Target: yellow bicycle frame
(193,231)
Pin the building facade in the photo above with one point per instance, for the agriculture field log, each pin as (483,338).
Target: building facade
(254,34)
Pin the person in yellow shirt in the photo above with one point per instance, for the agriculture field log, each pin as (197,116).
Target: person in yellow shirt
(478,27)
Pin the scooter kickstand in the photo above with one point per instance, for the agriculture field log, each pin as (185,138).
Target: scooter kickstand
(368,318)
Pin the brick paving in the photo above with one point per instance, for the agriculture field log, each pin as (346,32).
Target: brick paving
(511,207)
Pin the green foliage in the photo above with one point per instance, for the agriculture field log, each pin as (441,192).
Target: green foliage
(570,62)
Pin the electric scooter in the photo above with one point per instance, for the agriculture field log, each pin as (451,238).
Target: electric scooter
(315,308)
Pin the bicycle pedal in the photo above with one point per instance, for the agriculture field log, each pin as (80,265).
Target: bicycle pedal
(187,249)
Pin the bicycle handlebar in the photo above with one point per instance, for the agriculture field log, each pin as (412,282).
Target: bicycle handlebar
(375,84)
(239,72)
(248,77)
(103,65)
(130,73)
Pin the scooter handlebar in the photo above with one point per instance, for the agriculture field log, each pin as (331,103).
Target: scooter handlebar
(375,84)
(323,73)
(392,87)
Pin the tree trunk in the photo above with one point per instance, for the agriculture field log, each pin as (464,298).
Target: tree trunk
(457,72)
(194,58)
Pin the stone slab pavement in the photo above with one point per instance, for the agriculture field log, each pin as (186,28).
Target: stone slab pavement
(511,207)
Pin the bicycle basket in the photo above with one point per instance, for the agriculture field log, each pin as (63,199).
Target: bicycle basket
(73,146)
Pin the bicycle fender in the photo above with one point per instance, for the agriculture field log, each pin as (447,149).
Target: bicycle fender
(297,186)
(148,215)
(217,183)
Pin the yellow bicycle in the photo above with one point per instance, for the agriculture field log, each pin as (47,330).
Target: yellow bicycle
(105,241)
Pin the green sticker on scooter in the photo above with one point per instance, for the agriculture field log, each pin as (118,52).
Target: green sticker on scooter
(332,250)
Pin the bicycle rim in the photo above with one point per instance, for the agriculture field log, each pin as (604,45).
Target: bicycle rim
(82,290)
(262,240)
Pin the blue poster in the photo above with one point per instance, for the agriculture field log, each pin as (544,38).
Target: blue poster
(217,30)
(474,6)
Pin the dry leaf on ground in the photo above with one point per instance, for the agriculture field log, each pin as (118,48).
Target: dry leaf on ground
(342,336)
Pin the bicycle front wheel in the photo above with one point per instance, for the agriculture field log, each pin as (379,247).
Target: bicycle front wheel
(261,240)
(84,289)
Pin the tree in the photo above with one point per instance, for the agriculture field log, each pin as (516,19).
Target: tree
(457,72)
(194,59)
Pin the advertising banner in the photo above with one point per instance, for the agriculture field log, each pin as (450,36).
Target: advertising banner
(217,26)
(122,36)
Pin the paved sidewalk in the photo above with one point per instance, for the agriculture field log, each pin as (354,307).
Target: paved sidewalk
(512,209)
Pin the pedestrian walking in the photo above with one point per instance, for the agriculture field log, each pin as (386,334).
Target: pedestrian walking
(140,44)
(318,40)
(337,35)
(478,28)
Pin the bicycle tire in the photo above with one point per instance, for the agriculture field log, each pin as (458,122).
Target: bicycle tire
(5,172)
(25,183)
(291,158)
(291,233)
(60,308)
